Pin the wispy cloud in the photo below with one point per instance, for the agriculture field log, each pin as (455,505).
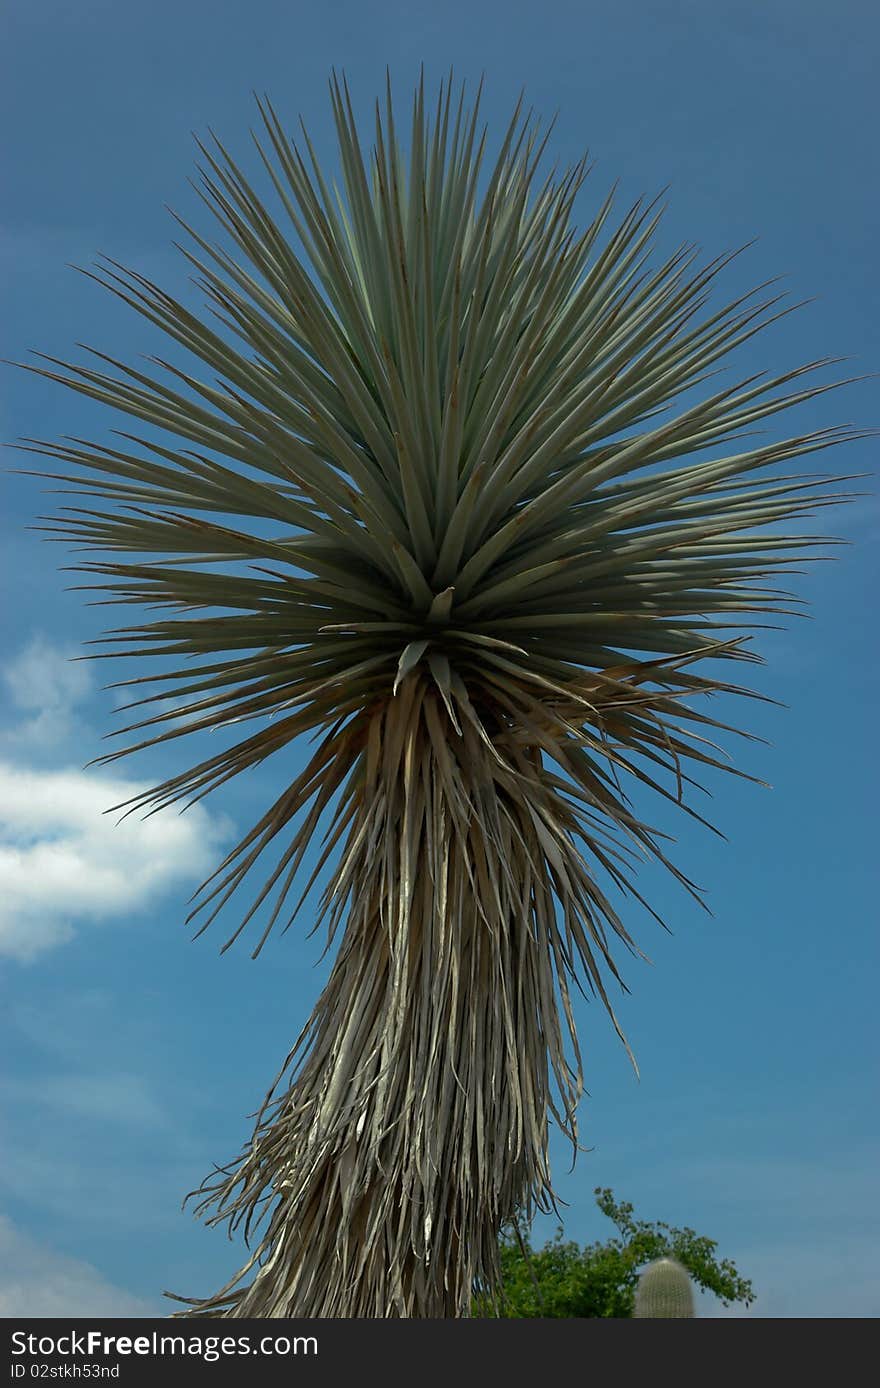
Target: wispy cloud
(118,1098)
(817,1257)
(37,1281)
(89,1179)
(44,684)
(808,1279)
(122,697)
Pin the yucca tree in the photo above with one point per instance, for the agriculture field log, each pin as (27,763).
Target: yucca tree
(450,490)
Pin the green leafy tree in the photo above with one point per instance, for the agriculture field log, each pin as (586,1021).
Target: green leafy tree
(451,487)
(562,1279)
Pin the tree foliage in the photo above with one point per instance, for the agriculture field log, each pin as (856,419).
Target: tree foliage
(599,1280)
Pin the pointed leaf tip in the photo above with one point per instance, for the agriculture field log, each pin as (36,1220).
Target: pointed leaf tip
(410,658)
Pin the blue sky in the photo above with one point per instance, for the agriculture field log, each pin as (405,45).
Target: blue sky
(132,1056)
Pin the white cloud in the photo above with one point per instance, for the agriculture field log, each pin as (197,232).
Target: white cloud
(63,860)
(37,1281)
(45,682)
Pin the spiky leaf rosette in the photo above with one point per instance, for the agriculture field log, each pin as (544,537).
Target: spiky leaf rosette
(490,547)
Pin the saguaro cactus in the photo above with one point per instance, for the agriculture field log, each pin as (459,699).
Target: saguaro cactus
(664,1292)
